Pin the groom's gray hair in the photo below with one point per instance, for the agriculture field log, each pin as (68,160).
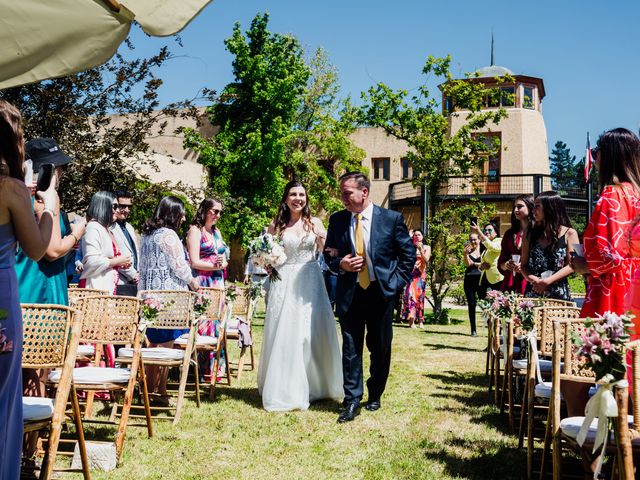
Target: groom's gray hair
(361,179)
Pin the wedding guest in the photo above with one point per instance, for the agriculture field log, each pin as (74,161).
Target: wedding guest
(521,223)
(608,259)
(490,276)
(545,260)
(45,281)
(472,260)
(163,267)
(413,299)
(127,241)
(33,234)
(207,250)
(102,258)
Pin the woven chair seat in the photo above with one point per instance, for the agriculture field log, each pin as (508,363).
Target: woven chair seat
(155,353)
(86,350)
(201,340)
(36,408)
(95,375)
(570,426)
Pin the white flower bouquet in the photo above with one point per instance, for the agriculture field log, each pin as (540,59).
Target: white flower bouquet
(267,252)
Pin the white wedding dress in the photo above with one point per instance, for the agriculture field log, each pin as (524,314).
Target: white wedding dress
(300,360)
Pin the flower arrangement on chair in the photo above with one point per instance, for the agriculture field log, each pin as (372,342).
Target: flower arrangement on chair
(200,305)
(603,348)
(149,310)
(231,293)
(6,345)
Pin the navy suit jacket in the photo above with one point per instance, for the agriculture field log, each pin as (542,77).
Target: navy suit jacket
(392,253)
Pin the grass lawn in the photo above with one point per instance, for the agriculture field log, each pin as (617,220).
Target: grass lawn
(436,422)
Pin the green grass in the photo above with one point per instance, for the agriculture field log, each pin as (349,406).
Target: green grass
(436,421)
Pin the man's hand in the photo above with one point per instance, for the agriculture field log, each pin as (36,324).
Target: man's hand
(351,263)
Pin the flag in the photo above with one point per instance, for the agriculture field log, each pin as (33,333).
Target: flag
(588,160)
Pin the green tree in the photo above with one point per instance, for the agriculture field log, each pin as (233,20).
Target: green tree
(563,168)
(436,152)
(280,118)
(102,118)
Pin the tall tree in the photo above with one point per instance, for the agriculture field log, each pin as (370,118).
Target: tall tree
(563,167)
(101,117)
(279,118)
(436,152)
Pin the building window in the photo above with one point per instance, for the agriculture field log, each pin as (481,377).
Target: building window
(407,168)
(448,105)
(527,98)
(507,96)
(492,163)
(380,168)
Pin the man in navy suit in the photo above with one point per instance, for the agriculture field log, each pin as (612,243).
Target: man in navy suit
(370,248)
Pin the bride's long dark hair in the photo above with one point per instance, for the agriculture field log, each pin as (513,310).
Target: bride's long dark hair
(284,214)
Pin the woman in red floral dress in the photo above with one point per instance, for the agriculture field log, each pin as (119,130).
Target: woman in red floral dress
(607,238)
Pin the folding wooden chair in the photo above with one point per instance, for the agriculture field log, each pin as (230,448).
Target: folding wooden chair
(85,352)
(243,308)
(217,310)
(50,340)
(177,314)
(108,319)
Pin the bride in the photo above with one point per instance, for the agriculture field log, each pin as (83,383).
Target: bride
(300,360)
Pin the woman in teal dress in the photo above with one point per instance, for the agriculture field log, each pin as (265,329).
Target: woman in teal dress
(17,224)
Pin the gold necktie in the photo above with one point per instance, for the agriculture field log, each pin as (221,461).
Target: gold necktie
(363,275)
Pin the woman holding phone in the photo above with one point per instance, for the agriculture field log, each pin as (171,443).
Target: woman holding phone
(490,276)
(17,225)
(207,251)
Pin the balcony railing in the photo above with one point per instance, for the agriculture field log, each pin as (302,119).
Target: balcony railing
(507,186)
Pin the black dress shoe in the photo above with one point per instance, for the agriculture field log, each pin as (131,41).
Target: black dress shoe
(350,412)
(372,405)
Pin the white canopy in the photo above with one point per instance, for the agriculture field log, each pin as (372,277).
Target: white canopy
(46,39)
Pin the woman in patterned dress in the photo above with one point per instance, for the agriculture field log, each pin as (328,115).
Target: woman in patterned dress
(163,267)
(545,260)
(608,259)
(413,299)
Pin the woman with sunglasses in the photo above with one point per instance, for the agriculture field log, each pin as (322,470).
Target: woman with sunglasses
(102,258)
(490,276)
(207,251)
(546,263)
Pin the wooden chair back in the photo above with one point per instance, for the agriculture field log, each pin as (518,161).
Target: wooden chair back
(242,304)
(46,335)
(108,319)
(547,315)
(76,294)
(177,312)
(216,296)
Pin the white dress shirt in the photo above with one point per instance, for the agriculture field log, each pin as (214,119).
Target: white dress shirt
(367,215)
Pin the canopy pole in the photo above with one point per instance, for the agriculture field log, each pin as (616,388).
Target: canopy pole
(113,5)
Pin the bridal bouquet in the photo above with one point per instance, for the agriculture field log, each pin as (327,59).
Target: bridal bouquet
(6,345)
(603,344)
(267,252)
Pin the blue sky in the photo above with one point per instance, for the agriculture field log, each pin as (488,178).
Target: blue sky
(586,52)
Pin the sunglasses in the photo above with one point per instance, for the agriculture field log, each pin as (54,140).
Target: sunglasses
(488,230)
(215,211)
(124,207)
(115,206)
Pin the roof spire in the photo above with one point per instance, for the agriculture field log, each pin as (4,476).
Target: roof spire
(492,61)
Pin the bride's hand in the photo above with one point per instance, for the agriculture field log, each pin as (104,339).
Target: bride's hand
(333,252)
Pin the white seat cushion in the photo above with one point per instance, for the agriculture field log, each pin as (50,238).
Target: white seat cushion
(36,408)
(516,349)
(201,340)
(95,375)
(156,353)
(570,426)
(593,390)
(543,390)
(87,350)
(545,365)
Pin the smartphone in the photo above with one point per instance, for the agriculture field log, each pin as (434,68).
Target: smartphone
(45,174)
(473,220)
(28,173)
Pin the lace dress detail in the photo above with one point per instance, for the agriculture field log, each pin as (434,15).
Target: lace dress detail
(163,265)
(300,360)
